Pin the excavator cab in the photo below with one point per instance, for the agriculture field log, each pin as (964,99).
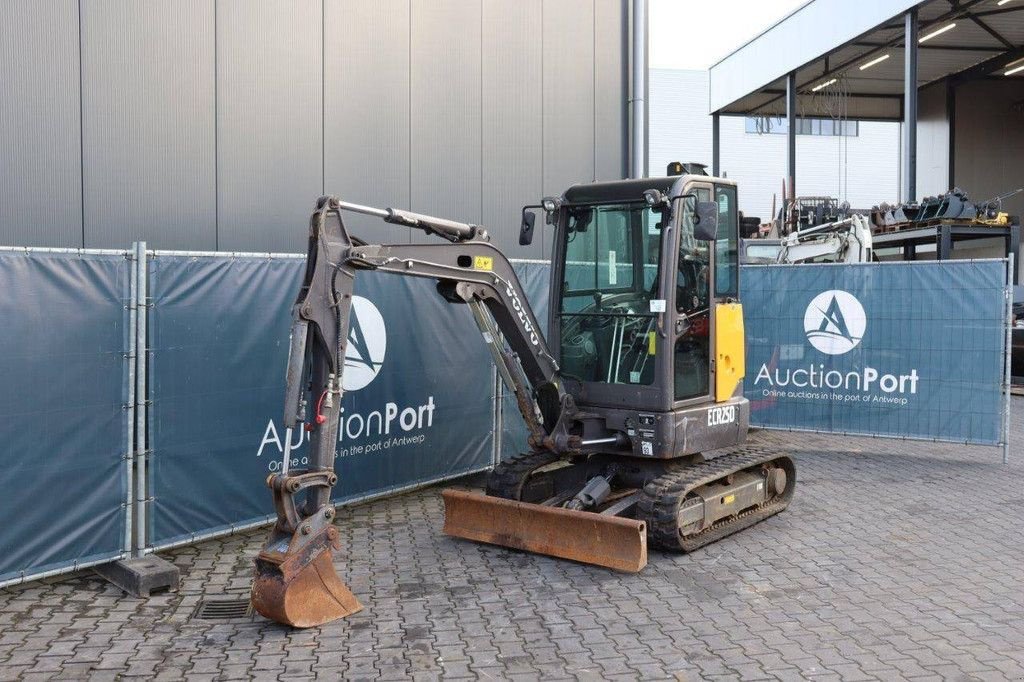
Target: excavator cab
(633,399)
(644,318)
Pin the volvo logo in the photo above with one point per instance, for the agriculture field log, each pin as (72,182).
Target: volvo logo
(367,343)
(835,322)
(520,312)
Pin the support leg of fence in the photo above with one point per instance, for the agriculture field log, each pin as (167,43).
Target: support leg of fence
(1007,357)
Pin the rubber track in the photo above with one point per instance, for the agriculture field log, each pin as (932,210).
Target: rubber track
(507,478)
(659,502)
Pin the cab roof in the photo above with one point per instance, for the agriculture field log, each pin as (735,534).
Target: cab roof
(632,190)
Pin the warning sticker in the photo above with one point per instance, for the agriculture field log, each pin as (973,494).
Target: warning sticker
(483,263)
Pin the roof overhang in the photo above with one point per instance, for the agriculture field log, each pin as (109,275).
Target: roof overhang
(834,39)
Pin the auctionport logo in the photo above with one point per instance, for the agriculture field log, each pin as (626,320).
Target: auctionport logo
(390,427)
(367,344)
(835,322)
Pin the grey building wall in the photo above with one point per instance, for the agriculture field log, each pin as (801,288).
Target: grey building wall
(40,135)
(988,146)
(863,170)
(989,140)
(206,124)
(679,128)
(148,121)
(270,159)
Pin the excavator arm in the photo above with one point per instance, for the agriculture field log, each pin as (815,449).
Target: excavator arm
(295,580)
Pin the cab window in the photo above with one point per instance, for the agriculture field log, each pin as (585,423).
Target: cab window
(607,325)
(726,246)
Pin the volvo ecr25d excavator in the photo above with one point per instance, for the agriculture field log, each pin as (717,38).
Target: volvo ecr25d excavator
(633,401)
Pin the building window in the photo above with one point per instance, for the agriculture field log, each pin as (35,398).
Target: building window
(804,126)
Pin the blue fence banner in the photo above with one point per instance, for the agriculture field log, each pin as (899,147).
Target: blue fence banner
(911,350)
(906,349)
(64,345)
(418,404)
(887,349)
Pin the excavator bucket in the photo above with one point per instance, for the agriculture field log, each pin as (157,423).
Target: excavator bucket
(587,537)
(311,595)
(295,583)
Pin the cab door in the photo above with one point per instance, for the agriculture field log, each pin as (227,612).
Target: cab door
(727,337)
(692,300)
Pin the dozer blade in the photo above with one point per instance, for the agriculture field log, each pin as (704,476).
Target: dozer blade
(602,540)
(314,595)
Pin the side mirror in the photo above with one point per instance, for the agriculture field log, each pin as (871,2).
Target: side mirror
(526,229)
(705,227)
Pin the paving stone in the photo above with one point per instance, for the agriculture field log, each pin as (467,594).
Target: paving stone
(876,571)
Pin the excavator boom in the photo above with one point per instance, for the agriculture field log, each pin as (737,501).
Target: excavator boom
(295,580)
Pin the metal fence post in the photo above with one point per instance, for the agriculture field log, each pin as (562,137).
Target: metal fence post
(140,399)
(498,387)
(129,454)
(1007,358)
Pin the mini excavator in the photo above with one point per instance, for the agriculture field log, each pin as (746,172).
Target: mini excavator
(633,401)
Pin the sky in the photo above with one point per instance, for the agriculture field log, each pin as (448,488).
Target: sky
(694,34)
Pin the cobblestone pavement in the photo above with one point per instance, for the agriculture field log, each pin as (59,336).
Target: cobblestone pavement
(896,560)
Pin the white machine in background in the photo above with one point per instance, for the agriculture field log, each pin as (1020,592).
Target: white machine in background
(843,241)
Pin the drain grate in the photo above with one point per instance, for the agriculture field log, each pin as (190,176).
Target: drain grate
(223,609)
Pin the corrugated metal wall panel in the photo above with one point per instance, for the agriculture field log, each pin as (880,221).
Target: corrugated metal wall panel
(611,82)
(269,122)
(511,111)
(40,142)
(148,123)
(568,94)
(446,136)
(366,114)
(208,124)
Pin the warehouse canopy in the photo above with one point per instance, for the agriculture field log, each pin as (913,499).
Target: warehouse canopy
(849,58)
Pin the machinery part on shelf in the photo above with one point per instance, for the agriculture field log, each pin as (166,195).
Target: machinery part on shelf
(953,205)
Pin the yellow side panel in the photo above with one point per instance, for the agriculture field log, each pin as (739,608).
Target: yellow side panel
(729,349)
